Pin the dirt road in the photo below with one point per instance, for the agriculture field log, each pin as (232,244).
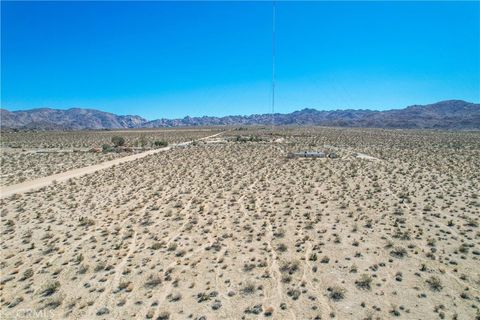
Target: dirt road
(63,176)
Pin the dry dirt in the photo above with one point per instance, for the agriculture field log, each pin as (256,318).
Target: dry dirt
(235,230)
(31,185)
(25,156)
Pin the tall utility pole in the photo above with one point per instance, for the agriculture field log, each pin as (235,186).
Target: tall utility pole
(273,65)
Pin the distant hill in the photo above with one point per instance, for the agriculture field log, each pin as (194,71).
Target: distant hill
(451,114)
(71,119)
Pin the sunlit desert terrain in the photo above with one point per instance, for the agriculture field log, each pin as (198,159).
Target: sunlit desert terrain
(230,228)
(30,155)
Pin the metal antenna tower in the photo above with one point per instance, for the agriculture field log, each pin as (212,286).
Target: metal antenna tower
(273,64)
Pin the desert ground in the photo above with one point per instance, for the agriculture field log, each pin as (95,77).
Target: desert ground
(29,155)
(229,227)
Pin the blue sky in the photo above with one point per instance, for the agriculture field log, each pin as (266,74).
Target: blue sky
(172,59)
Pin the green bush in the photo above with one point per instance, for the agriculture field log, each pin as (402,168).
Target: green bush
(118,141)
(160,143)
(107,148)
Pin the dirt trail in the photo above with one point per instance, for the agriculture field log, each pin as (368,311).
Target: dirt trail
(63,176)
(366,157)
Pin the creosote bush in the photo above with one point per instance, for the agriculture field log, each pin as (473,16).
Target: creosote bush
(118,141)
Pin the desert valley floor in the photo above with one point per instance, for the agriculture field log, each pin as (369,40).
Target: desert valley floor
(230,228)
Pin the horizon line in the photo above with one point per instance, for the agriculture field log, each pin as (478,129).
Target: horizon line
(328,109)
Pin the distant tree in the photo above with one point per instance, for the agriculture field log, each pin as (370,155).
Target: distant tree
(118,141)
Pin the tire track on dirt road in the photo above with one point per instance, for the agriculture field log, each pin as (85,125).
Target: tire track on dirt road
(63,176)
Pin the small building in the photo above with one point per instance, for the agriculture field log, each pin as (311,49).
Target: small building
(307,154)
(312,154)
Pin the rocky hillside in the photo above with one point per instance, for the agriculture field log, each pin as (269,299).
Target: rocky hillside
(451,114)
(71,119)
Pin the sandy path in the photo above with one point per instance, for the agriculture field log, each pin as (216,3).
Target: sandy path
(63,176)
(366,156)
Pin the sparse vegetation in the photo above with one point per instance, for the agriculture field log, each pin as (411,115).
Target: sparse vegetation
(336,293)
(160,143)
(118,141)
(435,283)
(228,228)
(364,282)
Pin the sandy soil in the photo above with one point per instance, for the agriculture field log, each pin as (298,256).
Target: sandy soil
(236,230)
(18,166)
(63,176)
(27,156)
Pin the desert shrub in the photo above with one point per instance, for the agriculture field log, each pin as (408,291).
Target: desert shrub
(79,258)
(180,253)
(160,143)
(174,297)
(435,283)
(142,142)
(290,267)
(100,267)
(325,259)
(156,246)
(364,282)
(202,296)
(398,252)
(164,315)
(394,311)
(152,281)
(49,288)
(15,302)
(83,269)
(27,274)
(118,141)
(294,294)
(248,288)
(102,311)
(84,221)
(54,302)
(465,295)
(280,233)
(463,248)
(268,312)
(248,267)
(472,222)
(336,293)
(107,148)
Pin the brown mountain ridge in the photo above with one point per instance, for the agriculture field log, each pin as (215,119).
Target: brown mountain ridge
(450,114)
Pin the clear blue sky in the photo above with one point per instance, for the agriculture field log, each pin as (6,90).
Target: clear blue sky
(167,59)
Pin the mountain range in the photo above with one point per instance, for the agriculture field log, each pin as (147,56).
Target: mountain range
(450,114)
